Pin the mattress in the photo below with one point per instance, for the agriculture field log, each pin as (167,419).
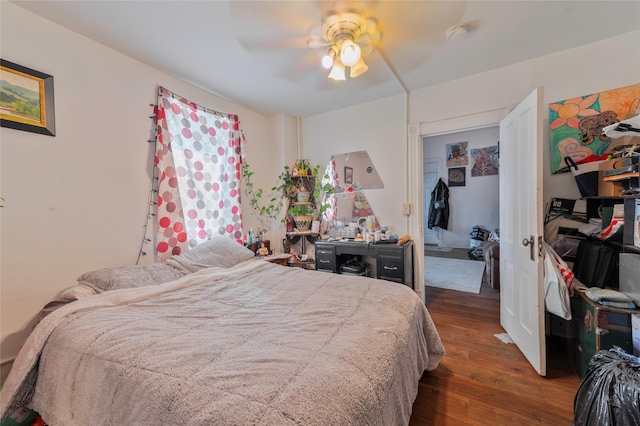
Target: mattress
(256,343)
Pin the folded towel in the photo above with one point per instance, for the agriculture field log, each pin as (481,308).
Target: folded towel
(598,294)
(619,305)
(635,297)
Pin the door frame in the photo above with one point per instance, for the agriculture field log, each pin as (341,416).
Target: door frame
(439,161)
(415,172)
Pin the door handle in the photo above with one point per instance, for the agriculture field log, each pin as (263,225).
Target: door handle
(531,242)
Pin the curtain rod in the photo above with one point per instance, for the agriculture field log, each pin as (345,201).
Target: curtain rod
(166,92)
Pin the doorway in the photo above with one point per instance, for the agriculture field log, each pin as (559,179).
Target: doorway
(415,172)
(431,175)
(473,201)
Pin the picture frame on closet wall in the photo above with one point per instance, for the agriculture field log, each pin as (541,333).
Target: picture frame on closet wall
(457,176)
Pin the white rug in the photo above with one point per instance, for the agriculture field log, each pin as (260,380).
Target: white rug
(453,274)
(436,248)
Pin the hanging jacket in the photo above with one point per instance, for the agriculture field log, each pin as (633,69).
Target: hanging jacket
(439,217)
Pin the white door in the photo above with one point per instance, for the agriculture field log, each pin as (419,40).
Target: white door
(521,289)
(431,176)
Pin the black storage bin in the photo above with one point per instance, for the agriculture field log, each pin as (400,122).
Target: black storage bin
(596,264)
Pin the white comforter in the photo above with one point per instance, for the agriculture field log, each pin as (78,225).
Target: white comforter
(257,344)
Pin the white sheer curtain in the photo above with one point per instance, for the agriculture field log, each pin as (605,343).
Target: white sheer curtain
(198,160)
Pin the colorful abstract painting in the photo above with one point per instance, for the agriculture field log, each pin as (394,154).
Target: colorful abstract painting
(575,125)
(485,161)
(457,154)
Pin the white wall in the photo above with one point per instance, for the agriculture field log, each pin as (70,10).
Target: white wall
(378,127)
(78,201)
(266,158)
(604,65)
(476,203)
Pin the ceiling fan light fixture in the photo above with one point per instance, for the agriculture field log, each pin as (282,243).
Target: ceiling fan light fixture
(351,36)
(358,68)
(327,60)
(350,53)
(337,71)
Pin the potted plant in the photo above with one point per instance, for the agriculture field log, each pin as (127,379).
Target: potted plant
(288,189)
(302,215)
(273,208)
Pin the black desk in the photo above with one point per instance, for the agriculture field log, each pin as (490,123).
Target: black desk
(393,262)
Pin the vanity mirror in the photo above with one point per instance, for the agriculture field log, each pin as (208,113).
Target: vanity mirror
(350,174)
(353,171)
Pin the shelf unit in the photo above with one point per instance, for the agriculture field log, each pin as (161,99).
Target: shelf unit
(304,236)
(626,182)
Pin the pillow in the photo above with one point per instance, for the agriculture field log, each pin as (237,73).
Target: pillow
(219,251)
(129,276)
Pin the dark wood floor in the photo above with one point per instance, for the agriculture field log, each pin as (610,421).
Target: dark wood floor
(482,381)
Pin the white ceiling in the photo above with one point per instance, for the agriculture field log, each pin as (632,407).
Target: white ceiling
(255,52)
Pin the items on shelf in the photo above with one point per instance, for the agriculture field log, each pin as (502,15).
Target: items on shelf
(628,127)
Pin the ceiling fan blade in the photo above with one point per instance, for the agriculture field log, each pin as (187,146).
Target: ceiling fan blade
(315,43)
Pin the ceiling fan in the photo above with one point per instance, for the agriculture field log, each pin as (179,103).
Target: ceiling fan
(348,37)
(290,39)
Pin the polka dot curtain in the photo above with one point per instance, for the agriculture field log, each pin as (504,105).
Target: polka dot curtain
(198,169)
(333,180)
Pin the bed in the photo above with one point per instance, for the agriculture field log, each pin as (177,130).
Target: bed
(228,341)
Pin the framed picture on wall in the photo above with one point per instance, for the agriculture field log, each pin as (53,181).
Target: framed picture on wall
(457,176)
(457,154)
(27,99)
(486,161)
(348,174)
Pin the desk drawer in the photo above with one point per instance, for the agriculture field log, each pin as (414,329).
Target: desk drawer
(326,259)
(390,268)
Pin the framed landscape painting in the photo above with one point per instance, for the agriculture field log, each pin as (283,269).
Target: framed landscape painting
(26,99)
